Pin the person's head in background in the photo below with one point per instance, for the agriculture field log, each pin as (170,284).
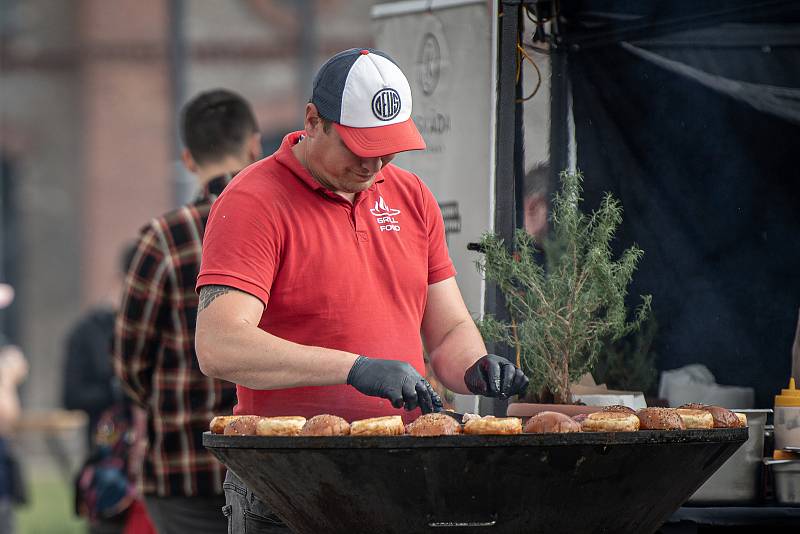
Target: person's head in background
(220,134)
(6,295)
(534,202)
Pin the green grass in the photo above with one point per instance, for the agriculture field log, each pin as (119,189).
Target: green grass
(49,509)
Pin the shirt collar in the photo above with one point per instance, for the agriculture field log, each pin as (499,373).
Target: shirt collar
(286,157)
(214,187)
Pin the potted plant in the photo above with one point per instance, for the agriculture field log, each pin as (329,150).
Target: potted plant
(565,294)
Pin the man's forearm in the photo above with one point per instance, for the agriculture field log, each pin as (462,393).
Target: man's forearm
(244,354)
(460,348)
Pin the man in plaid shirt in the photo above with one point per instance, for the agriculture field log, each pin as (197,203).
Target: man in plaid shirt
(154,353)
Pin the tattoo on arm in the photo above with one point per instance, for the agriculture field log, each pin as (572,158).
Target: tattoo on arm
(209,293)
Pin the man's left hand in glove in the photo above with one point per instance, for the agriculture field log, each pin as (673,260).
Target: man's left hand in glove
(494,376)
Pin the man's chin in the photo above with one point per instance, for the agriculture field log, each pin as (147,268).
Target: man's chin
(359,187)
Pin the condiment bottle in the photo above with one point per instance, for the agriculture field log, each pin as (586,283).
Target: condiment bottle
(787,417)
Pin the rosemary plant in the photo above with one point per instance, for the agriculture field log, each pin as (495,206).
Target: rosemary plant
(565,295)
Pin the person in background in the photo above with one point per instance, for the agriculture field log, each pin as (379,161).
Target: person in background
(154,337)
(323,263)
(89,382)
(535,201)
(90,385)
(13,371)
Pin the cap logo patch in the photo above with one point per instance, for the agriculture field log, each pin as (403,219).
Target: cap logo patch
(386,104)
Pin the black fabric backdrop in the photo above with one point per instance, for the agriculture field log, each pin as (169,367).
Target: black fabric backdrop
(710,191)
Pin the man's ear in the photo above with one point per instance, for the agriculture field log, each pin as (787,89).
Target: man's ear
(312,122)
(254,147)
(188,161)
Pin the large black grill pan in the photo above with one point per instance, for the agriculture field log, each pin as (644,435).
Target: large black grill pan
(571,483)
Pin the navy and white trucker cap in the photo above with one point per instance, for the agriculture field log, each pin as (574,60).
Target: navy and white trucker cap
(368,98)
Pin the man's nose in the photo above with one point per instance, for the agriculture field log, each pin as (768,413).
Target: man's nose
(372,165)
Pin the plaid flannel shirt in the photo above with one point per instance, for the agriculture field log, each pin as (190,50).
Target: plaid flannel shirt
(154,354)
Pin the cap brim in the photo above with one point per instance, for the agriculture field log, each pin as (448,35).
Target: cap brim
(381,140)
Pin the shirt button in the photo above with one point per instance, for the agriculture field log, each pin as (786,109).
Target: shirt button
(362,236)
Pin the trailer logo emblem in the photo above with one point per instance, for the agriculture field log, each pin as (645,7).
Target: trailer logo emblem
(385,216)
(386,104)
(429,64)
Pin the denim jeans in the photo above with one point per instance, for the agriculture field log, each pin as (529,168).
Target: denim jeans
(247,514)
(179,515)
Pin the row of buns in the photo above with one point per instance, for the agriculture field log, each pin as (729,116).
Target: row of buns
(610,419)
(432,424)
(254,425)
(623,419)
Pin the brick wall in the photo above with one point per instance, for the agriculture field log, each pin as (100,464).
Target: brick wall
(86,114)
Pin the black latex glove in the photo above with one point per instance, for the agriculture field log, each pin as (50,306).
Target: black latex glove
(394,380)
(494,376)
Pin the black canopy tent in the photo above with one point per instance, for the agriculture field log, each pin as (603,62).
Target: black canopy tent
(689,113)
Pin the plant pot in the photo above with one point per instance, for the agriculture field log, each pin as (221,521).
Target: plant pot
(527,409)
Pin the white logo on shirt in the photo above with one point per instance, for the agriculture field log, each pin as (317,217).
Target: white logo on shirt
(385,216)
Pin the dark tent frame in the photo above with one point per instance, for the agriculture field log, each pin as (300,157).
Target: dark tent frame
(580,27)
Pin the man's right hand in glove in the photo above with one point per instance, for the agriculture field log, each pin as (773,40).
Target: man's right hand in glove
(394,380)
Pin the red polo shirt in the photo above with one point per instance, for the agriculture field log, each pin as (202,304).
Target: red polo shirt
(347,276)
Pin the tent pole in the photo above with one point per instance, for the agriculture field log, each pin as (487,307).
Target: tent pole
(508,161)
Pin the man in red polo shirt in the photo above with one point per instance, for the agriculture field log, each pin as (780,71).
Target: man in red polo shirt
(323,263)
